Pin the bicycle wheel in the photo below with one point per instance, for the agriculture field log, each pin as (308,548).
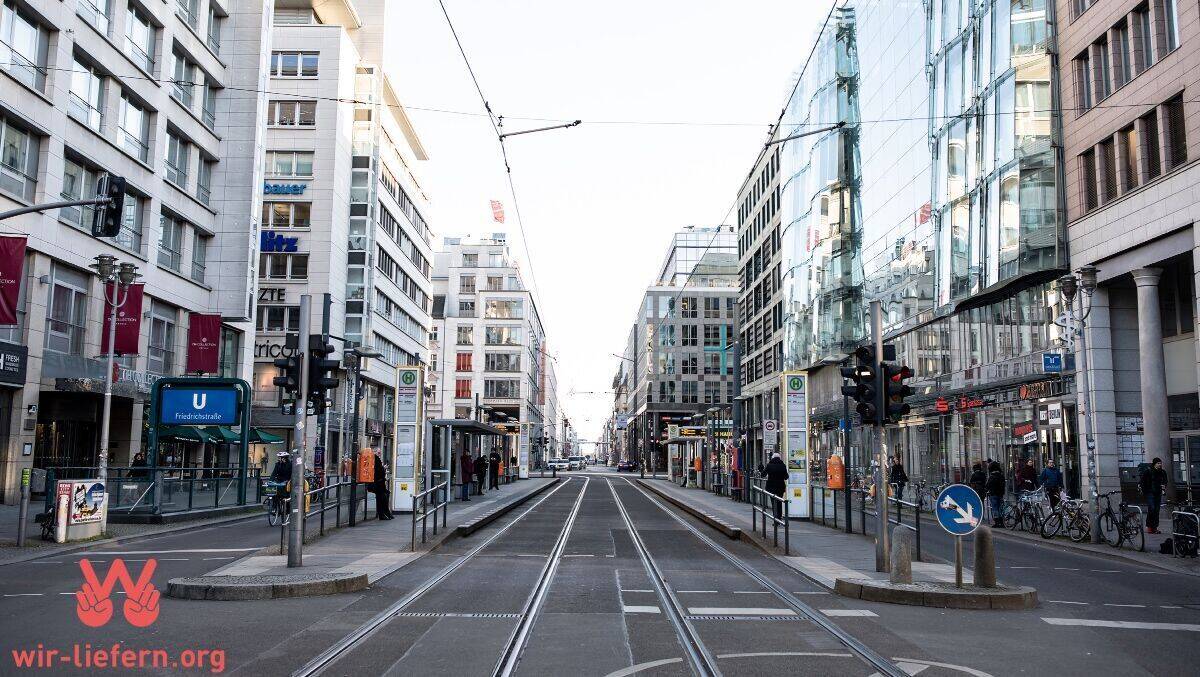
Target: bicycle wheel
(1080,528)
(1110,532)
(1132,531)
(269,507)
(1051,526)
(1011,518)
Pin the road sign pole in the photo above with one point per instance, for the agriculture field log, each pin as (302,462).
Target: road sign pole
(958,557)
(881,489)
(295,554)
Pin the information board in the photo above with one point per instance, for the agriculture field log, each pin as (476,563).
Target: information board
(795,440)
(407,461)
(199,406)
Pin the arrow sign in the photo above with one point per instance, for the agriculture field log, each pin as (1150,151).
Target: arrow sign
(959,509)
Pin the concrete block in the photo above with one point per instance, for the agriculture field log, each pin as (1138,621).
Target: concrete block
(893,595)
(238,593)
(847,588)
(1021,598)
(902,549)
(948,599)
(985,558)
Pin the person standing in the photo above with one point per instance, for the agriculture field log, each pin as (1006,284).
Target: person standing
(776,473)
(381,487)
(995,494)
(481,465)
(494,470)
(1052,479)
(1153,481)
(897,477)
(465,470)
(1027,476)
(978,481)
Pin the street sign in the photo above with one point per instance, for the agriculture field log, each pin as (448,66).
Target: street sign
(199,406)
(959,509)
(770,430)
(1052,363)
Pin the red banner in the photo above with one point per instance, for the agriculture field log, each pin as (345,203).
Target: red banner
(129,320)
(204,343)
(12,267)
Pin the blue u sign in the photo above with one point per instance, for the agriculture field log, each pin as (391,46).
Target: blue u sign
(199,406)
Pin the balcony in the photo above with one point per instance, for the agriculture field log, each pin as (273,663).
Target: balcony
(330,12)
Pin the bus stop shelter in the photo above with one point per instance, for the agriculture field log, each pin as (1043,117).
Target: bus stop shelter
(449,438)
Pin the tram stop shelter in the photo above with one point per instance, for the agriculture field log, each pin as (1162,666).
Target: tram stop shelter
(449,438)
(682,450)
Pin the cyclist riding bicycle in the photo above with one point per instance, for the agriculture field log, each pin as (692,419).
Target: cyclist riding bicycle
(281,476)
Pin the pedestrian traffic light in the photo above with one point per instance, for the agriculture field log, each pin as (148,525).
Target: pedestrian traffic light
(321,371)
(106,219)
(863,388)
(289,380)
(895,391)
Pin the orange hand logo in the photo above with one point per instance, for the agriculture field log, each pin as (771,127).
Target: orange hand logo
(93,600)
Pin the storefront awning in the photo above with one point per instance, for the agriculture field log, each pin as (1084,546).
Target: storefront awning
(222,434)
(183,433)
(260,436)
(466,425)
(1006,288)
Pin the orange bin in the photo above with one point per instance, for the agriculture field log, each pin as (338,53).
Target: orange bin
(366,466)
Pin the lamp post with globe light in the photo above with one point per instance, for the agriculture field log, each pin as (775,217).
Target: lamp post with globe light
(120,276)
(1069,286)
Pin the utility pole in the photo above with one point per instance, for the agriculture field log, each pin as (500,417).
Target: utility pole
(846,456)
(295,555)
(881,490)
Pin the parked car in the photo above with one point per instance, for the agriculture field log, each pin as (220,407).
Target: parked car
(577,462)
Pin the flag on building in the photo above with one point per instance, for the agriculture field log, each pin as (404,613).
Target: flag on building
(497,211)
(12,267)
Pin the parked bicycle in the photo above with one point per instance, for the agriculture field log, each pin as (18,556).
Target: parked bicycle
(1071,517)
(1185,529)
(926,495)
(1028,515)
(1123,525)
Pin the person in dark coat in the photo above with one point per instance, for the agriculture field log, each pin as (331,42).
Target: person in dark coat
(465,470)
(494,470)
(776,473)
(1152,481)
(1052,479)
(995,493)
(978,480)
(380,486)
(481,466)
(897,477)
(1027,476)
(137,469)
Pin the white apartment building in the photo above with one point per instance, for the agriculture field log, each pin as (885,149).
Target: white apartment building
(342,214)
(489,345)
(166,94)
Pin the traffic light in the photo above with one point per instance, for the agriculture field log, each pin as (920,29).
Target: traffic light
(321,376)
(863,387)
(289,380)
(895,390)
(106,219)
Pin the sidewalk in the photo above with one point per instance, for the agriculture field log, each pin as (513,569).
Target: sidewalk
(348,559)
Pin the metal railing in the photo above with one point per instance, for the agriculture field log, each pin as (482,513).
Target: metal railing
(763,502)
(820,510)
(161,490)
(318,502)
(440,494)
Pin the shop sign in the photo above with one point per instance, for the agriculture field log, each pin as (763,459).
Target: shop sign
(1039,389)
(1054,415)
(967,403)
(272,295)
(284,188)
(691,431)
(270,241)
(12,363)
(942,405)
(268,348)
(1052,363)
(1025,432)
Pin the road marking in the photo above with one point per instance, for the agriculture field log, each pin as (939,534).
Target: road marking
(809,592)
(696,592)
(634,669)
(42,561)
(168,552)
(1024,567)
(1063,601)
(1126,625)
(738,611)
(637,591)
(1171,607)
(848,612)
(751,592)
(1129,606)
(1147,572)
(771,654)
(1065,569)
(212,558)
(639,609)
(1106,571)
(25,594)
(578,555)
(173,559)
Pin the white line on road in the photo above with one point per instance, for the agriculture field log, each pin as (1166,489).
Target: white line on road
(1170,607)
(1148,572)
(42,561)
(637,591)
(173,559)
(1024,567)
(848,612)
(24,594)
(696,592)
(1129,606)
(168,552)
(1063,601)
(1065,569)
(578,555)
(751,592)
(809,592)
(1127,625)
(1105,571)
(212,558)
(738,611)
(639,609)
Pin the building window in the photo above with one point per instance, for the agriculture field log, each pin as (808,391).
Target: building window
(139,38)
(294,64)
(204,181)
(162,339)
(18,160)
(231,351)
(503,336)
(463,362)
(87,89)
(1108,188)
(666,391)
(289,163)
(495,283)
(1129,152)
(199,256)
(462,389)
(712,392)
(214,29)
(1103,70)
(95,12)
(465,337)
(1087,174)
(466,284)
(712,364)
(687,307)
(208,112)
(1176,136)
(712,335)
(689,365)
(283,266)
(79,183)
(179,153)
(65,318)
(170,245)
(504,309)
(1144,36)
(130,235)
(689,336)
(666,336)
(292,113)
(280,215)
(466,309)
(1170,24)
(134,131)
(23,44)
(188,12)
(689,393)
(509,389)
(183,79)
(1122,66)
(712,308)
(470,260)
(502,362)
(278,318)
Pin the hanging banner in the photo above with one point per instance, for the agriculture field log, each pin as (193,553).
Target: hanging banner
(129,320)
(12,266)
(204,343)
(794,426)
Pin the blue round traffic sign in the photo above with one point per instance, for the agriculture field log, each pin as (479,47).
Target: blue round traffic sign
(959,509)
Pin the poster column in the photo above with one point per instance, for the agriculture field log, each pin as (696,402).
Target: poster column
(795,440)
(408,463)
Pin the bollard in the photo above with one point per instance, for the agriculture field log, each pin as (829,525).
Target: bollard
(901,555)
(985,558)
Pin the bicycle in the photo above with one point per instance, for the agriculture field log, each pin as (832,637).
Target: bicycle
(1070,517)
(277,511)
(1126,527)
(1028,513)
(1185,529)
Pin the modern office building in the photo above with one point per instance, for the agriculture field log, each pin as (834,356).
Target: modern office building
(490,345)
(168,95)
(940,197)
(1129,74)
(342,215)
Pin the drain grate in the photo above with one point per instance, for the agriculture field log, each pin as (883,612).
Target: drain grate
(746,618)
(434,614)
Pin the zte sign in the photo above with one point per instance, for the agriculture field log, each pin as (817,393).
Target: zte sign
(193,406)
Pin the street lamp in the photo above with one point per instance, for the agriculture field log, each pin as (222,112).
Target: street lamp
(353,359)
(1069,286)
(121,276)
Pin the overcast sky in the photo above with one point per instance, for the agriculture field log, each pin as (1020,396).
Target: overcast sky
(599,202)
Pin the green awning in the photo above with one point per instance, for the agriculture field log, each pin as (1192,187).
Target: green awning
(260,436)
(221,434)
(183,433)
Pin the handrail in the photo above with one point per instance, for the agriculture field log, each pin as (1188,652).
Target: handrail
(773,501)
(896,519)
(442,503)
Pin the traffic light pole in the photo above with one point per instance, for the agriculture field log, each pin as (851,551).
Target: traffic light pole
(295,554)
(881,489)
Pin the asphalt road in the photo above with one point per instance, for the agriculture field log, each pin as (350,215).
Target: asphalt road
(601,614)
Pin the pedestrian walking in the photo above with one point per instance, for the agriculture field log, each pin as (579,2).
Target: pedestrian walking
(494,470)
(1027,476)
(465,471)
(1052,479)
(381,487)
(1153,481)
(978,481)
(897,477)
(776,473)
(481,465)
(995,493)
(137,469)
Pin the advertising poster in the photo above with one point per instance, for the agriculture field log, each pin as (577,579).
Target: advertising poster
(795,440)
(87,502)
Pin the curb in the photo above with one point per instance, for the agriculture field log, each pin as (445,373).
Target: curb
(242,588)
(134,538)
(942,596)
(471,526)
(1113,553)
(734,533)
